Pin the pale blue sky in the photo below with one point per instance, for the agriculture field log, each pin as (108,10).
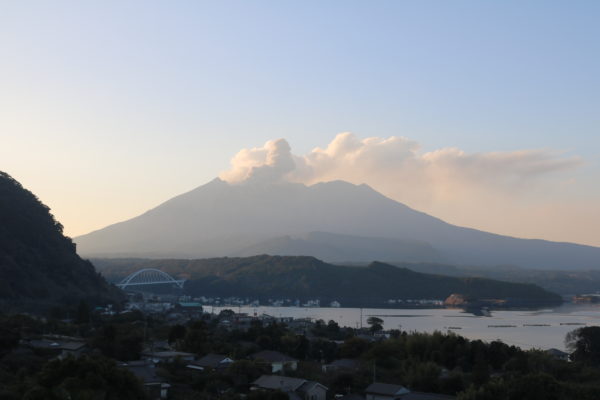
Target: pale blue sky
(123,104)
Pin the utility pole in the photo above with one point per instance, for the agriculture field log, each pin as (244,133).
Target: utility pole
(361,318)
(374,372)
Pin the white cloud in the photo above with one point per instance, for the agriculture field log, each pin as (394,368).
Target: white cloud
(503,192)
(270,163)
(396,162)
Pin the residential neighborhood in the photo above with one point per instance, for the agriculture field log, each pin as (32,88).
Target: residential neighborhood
(183,351)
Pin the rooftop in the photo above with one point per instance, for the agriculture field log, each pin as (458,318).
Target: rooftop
(425,396)
(272,356)
(276,382)
(386,389)
(213,360)
(167,354)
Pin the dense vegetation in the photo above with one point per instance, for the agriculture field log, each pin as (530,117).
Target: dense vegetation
(561,282)
(438,362)
(309,278)
(38,264)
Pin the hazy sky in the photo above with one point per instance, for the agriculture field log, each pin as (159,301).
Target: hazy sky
(109,108)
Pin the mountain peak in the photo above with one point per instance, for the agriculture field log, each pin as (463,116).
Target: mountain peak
(360,225)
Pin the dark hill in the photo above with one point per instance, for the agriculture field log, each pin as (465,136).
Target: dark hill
(291,277)
(38,264)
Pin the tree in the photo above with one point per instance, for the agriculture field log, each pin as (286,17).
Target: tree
(534,386)
(122,342)
(584,344)
(9,339)
(353,347)
(227,313)
(247,370)
(375,323)
(196,338)
(423,376)
(85,378)
(176,333)
(83,313)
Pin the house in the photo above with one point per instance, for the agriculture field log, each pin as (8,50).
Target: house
(295,388)
(158,345)
(277,360)
(58,346)
(343,364)
(384,391)
(300,325)
(213,361)
(425,396)
(190,306)
(156,387)
(167,356)
(190,309)
(349,396)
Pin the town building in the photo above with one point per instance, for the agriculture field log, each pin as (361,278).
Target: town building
(384,391)
(343,364)
(58,346)
(168,356)
(278,361)
(295,388)
(558,354)
(155,386)
(213,362)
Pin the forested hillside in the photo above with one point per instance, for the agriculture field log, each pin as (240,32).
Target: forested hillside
(38,264)
(309,278)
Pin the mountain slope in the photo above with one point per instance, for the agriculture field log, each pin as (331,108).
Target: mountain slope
(219,219)
(340,248)
(305,278)
(38,264)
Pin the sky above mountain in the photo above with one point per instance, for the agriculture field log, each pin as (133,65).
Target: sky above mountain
(484,114)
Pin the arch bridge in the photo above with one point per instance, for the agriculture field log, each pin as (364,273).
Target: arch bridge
(149,276)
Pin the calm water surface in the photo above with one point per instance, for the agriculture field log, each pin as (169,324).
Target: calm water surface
(512,327)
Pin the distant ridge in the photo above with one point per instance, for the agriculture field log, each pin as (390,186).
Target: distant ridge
(336,221)
(341,248)
(285,277)
(39,267)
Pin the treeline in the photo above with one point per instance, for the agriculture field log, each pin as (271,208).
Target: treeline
(438,362)
(561,282)
(296,277)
